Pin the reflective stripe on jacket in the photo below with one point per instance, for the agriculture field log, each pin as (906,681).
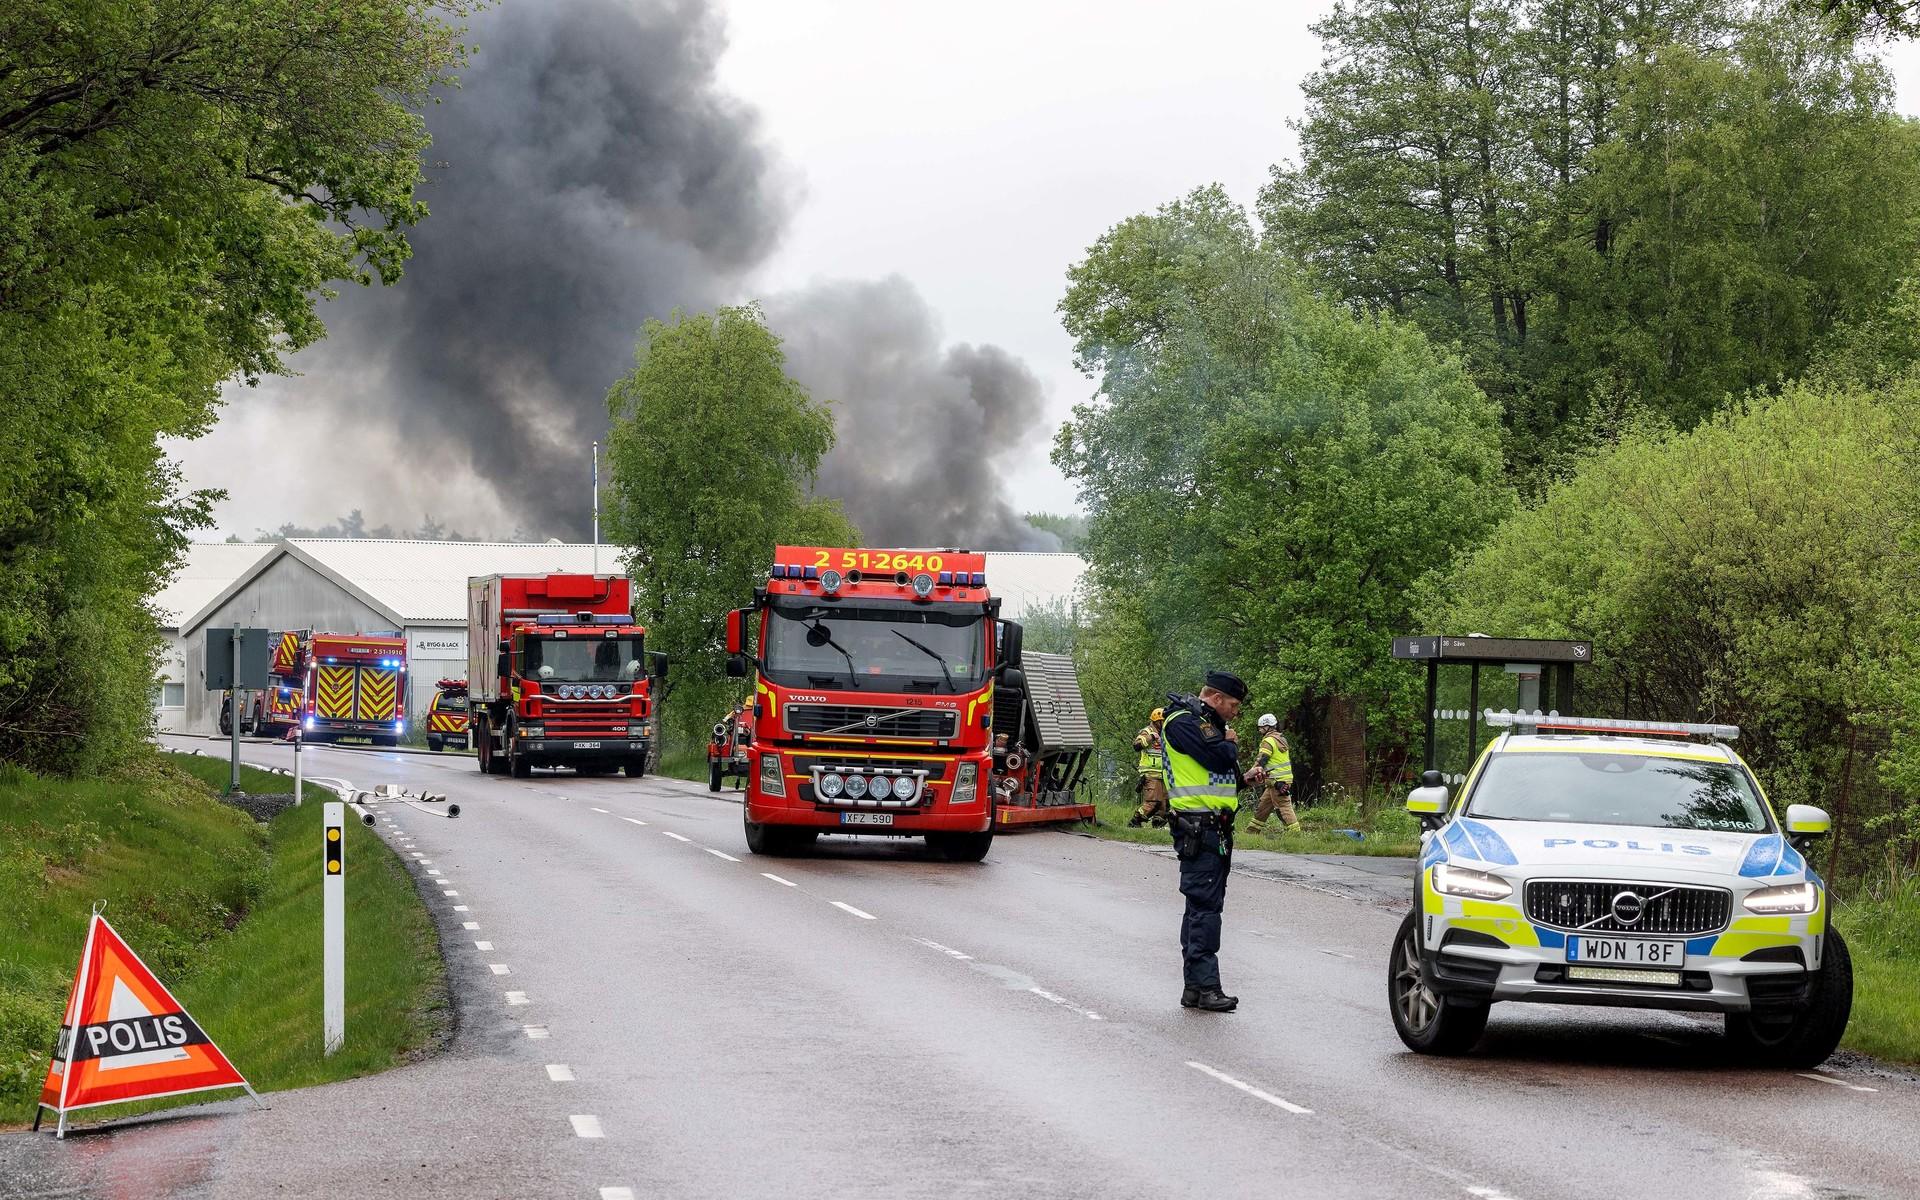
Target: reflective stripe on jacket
(1274,758)
(1190,786)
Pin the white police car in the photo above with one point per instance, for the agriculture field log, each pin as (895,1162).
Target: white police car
(1629,863)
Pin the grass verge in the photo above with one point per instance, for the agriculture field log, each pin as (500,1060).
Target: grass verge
(225,911)
(682,764)
(1387,832)
(1882,927)
(214,771)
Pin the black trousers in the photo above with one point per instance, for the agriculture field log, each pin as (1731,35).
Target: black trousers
(1206,855)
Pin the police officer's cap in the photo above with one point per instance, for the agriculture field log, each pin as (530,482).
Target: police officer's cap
(1227,683)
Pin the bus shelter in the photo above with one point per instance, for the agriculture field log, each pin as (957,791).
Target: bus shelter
(1544,667)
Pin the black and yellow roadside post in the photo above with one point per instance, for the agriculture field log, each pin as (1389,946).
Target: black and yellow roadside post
(333,899)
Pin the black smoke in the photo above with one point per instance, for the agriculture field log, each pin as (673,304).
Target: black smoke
(590,173)
(923,428)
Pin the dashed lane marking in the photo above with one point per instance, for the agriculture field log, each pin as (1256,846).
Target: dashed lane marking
(719,854)
(676,837)
(634,820)
(469,924)
(1836,1082)
(586,1126)
(1251,1090)
(500,968)
(616,1194)
(1063,1002)
(949,951)
(602,810)
(845,907)
(449,893)
(1336,954)
(460,908)
(1481,1192)
(433,872)
(777,879)
(536,1032)
(483,945)
(560,1072)
(516,997)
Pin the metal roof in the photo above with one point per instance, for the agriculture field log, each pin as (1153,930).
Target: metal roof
(1059,711)
(206,570)
(415,582)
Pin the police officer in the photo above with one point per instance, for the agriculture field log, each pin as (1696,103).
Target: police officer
(1273,767)
(1151,783)
(1202,758)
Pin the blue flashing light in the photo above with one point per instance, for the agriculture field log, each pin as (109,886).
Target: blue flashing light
(779,571)
(946,578)
(399,726)
(331,658)
(309,722)
(979,579)
(813,572)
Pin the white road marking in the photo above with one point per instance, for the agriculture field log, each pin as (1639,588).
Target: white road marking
(1336,954)
(426,862)
(1487,1193)
(483,945)
(634,820)
(1251,1090)
(418,855)
(616,1194)
(1063,1002)
(449,893)
(602,810)
(947,950)
(1836,1082)
(844,907)
(460,908)
(719,854)
(469,924)
(433,872)
(535,1032)
(516,997)
(500,968)
(586,1126)
(560,1072)
(676,837)
(777,879)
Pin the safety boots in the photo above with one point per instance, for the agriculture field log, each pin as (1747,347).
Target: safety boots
(1208,1000)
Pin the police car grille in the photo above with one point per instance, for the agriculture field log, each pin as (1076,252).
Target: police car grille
(1587,905)
(851,720)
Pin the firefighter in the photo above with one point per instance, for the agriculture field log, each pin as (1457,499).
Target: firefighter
(1151,782)
(1273,768)
(1202,757)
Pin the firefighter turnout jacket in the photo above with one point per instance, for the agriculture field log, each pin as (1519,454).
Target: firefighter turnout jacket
(1147,743)
(1202,765)
(1274,759)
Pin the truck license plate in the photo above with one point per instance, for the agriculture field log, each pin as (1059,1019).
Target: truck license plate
(1631,952)
(586,745)
(858,818)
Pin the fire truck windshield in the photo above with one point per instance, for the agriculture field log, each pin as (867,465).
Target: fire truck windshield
(582,659)
(879,648)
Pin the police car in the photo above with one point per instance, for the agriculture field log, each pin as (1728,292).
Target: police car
(1615,862)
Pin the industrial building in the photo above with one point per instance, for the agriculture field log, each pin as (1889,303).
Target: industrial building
(419,589)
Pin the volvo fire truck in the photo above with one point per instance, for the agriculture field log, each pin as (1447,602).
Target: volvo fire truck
(873,697)
(558,674)
(282,703)
(334,685)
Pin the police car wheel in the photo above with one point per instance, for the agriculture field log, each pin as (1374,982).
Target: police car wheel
(1425,1020)
(1802,1038)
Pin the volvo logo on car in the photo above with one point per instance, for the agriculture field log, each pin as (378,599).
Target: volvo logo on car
(1628,908)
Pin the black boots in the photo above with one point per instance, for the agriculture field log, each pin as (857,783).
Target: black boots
(1208,1000)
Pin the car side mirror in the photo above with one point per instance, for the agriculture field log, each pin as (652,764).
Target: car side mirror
(1428,802)
(1806,821)
(656,664)
(736,666)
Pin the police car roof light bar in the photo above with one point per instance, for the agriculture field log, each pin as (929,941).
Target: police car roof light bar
(1551,723)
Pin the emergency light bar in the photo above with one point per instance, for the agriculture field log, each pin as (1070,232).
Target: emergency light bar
(1552,723)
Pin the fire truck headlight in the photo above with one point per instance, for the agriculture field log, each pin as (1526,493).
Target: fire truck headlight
(881,787)
(309,722)
(832,784)
(966,783)
(638,730)
(923,585)
(399,726)
(856,787)
(771,781)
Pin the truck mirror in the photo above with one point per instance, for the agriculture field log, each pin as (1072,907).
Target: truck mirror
(1011,635)
(736,666)
(656,664)
(736,632)
(1014,680)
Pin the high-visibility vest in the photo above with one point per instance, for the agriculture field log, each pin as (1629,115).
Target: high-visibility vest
(1149,766)
(1274,757)
(1190,786)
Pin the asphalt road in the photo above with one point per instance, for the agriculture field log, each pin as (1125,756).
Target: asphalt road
(643,1005)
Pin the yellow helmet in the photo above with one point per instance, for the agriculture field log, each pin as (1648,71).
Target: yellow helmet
(1158,715)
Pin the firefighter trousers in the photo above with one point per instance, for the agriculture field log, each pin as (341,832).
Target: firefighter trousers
(1277,798)
(1153,798)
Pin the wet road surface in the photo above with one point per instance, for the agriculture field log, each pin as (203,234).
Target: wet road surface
(644,1005)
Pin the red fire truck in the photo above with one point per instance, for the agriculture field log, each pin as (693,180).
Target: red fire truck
(334,685)
(873,678)
(558,675)
(283,702)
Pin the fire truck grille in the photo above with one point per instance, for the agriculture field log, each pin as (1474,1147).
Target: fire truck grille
(860,720)
(566,720)
(1587,905)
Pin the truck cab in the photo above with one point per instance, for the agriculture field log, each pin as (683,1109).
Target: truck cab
(873,683)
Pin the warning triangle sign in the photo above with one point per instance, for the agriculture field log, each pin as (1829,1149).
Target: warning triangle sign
(125,1037)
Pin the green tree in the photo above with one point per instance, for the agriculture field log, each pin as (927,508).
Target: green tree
(1756,570)
(712,456)
(179,182)
(1070,528)
(1266,475)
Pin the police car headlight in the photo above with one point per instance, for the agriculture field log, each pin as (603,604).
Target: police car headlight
(1779,901)
(1478,885)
